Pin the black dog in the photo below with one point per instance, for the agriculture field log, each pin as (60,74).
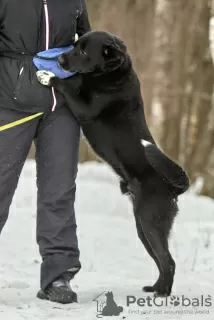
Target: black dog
(105,98)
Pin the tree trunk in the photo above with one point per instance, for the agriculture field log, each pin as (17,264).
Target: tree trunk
(185,84)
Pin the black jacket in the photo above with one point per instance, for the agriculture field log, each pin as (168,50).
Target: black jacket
(23,29)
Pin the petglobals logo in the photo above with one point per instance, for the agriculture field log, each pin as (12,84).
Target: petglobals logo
(175,301)
(108,305)
(169,305)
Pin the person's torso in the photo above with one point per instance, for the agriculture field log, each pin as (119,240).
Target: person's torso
(31,26)
(23,24)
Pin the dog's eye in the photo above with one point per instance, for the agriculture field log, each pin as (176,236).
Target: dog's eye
(83,53)
(106,52)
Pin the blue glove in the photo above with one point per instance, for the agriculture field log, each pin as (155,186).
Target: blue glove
(47,60)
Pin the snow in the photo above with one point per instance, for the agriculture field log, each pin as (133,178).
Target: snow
(113,259)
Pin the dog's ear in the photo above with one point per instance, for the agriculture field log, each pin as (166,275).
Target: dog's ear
(120,44)
(114,56)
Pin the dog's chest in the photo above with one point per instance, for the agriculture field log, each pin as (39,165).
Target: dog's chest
(90,95)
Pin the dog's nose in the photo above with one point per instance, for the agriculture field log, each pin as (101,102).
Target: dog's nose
(61,60)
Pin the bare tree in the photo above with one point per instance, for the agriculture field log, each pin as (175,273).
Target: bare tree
(185,83)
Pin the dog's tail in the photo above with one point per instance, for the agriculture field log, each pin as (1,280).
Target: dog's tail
(165,167)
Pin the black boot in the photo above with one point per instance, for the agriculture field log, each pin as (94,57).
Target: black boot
(58,291)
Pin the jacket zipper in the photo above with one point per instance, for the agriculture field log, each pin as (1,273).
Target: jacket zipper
(47,24)
(20,72)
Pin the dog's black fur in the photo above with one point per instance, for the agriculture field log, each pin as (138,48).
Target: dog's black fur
(105,97)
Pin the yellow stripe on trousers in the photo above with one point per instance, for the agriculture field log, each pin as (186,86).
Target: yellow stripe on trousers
(21,121)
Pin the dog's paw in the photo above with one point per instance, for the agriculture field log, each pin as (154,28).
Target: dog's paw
(149,289)
(44,77)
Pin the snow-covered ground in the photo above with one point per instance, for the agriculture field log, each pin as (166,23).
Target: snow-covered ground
(112,257)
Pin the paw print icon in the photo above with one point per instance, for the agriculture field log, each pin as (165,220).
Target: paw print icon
(175,301)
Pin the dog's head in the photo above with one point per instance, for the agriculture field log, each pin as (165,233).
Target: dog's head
(96,52)
(109,294)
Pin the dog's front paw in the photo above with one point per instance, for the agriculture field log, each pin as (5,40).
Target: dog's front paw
(44,77)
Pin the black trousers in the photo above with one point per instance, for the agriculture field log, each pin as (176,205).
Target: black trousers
(56,137)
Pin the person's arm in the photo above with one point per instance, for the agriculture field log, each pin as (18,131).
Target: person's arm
(83,24)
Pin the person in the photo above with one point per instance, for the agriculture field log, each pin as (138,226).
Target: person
(26,28)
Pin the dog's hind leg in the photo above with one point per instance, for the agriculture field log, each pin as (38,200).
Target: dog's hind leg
(148,247)
(157,246)
(166,265)
(154,211)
